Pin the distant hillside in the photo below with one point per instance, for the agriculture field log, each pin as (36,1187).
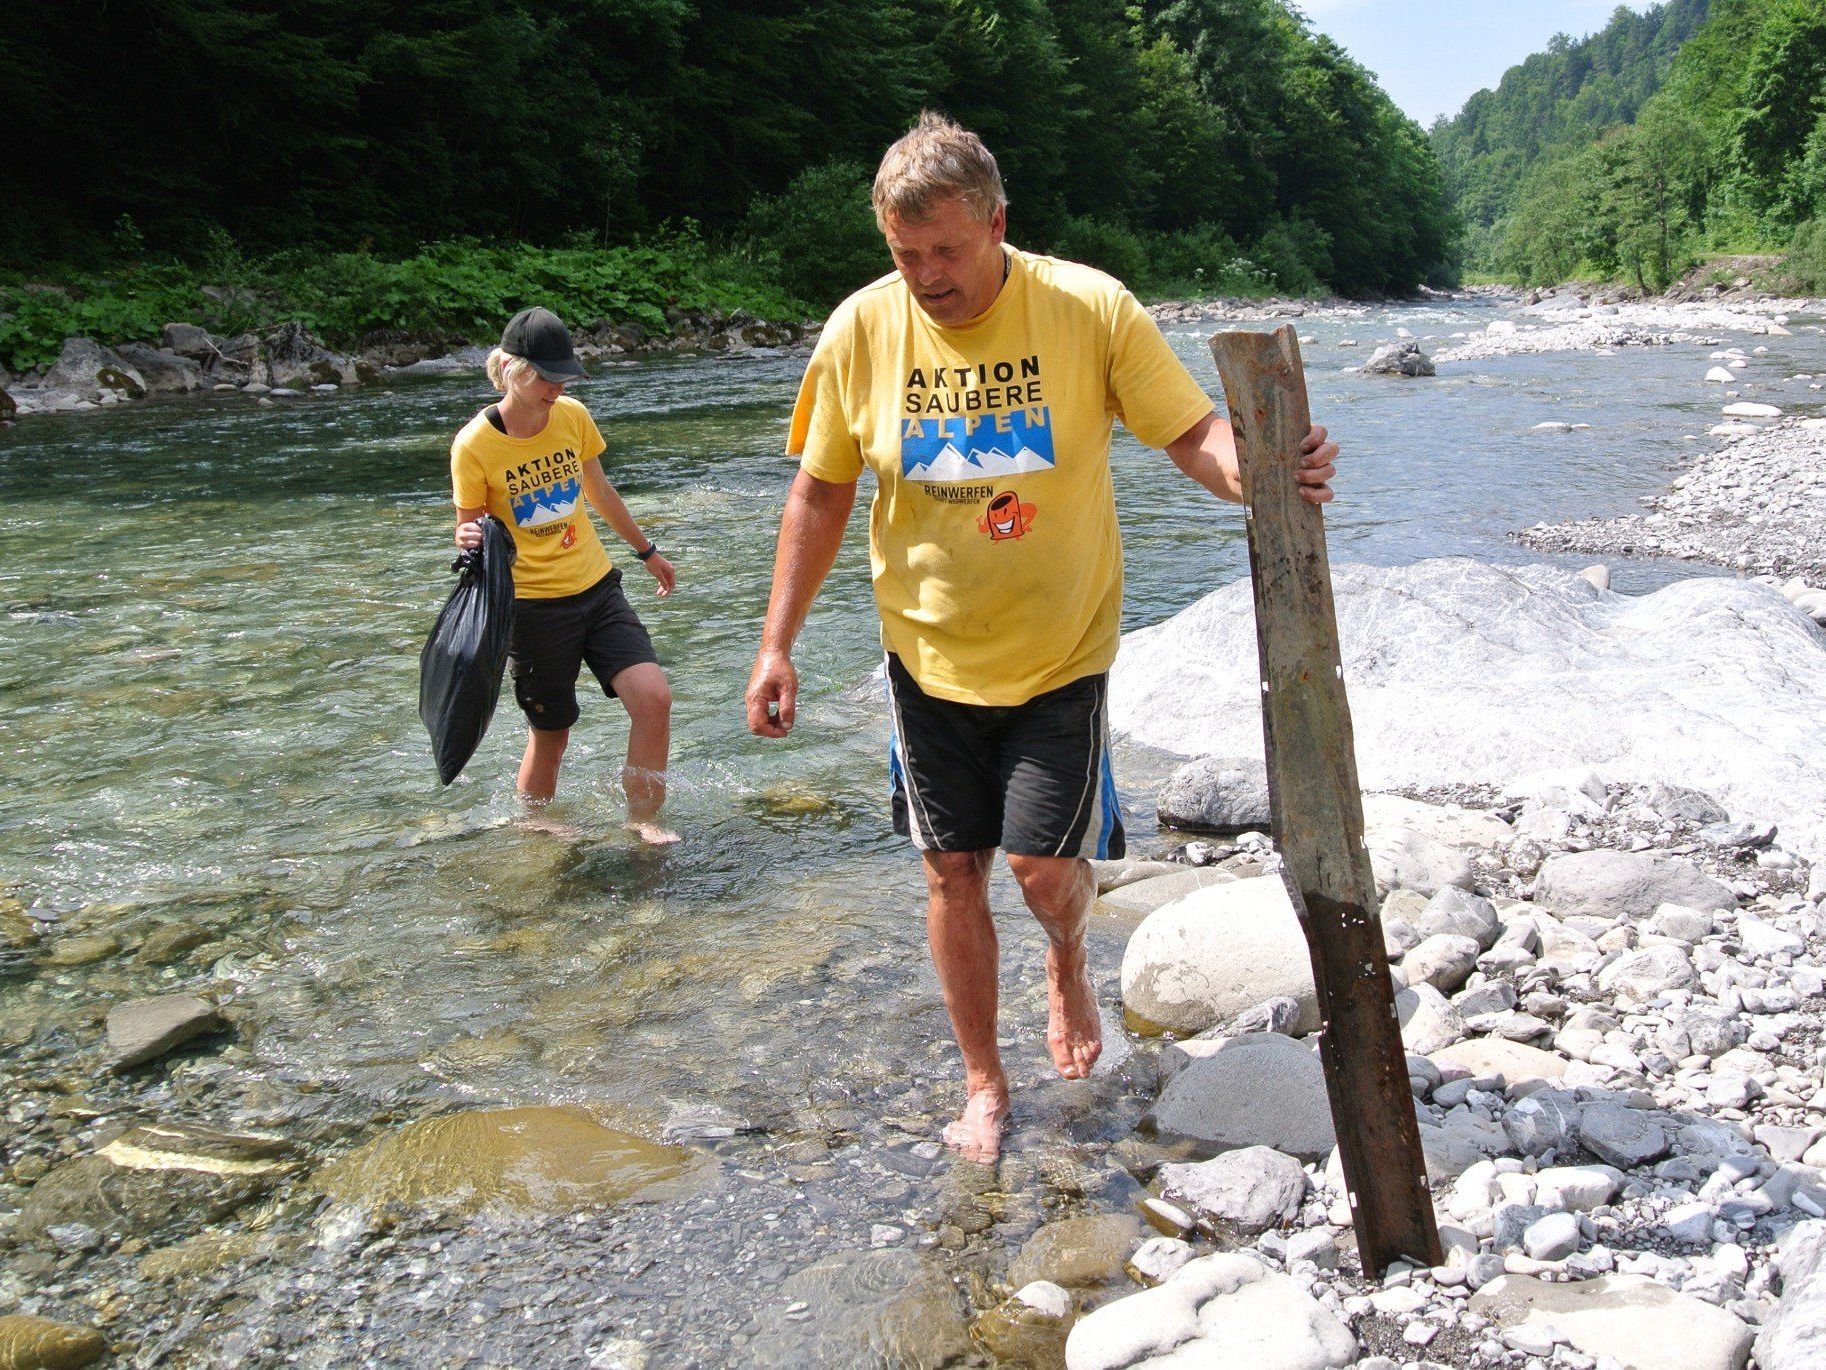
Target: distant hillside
(1728,155)
(1559,99)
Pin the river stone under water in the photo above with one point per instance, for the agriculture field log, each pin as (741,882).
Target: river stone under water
(539,1158)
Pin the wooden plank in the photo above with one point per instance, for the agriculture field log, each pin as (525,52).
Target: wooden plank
(1318,810)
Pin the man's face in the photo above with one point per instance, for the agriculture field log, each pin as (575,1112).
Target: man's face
(951,260)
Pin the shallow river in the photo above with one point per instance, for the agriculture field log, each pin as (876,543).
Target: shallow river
(210,615)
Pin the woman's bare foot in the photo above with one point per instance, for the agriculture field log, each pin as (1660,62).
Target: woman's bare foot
(1073,1029)
(650,832)
(977,1134)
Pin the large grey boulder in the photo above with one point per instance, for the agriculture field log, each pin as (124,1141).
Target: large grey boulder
(1464,673)
(1638,976)
(1546,1120)
(1246,1191)
(90,370)
(1142,897)
(1444,961)
(1623,1137)
(1403,859)
(296,358)
(1633,1321)
(1217,794)
(188,340)
(1795,1337)
(1462,914)
(1221,1310)
(1703,1031)
(163,371)
(1259,1090)
(1399,359)
(1428,1020)
(1617,884)
(1218,951)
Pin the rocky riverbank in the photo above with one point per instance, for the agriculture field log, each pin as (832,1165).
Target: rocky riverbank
(289,361)
(1755,504)
(1611,997)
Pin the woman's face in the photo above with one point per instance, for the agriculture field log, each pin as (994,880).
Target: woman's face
(530,388)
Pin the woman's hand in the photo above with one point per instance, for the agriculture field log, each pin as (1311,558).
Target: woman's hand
(661,570)
(469,535)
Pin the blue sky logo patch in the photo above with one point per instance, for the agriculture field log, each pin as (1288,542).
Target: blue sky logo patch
(972,447)
(547,504)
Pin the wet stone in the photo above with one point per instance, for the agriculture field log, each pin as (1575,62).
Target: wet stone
(889,1307)
(29,1343)
(155,1181)
(142,1030)
(83,950)
(536,1158)
(1077,1252)
(171,942)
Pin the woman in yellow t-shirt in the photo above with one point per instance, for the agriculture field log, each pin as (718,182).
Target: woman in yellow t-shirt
(532,461)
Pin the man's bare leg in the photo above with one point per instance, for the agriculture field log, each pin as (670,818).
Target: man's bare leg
(961,933)
(1059,891)
(647,697)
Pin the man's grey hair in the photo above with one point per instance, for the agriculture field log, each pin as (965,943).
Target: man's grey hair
(932,162)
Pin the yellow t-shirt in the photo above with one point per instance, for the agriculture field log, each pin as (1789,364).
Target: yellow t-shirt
(993,541)
(535,486)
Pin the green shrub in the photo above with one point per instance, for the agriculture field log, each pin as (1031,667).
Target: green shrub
(818,237)
(1806,263)
(1107,246)
(1295,254)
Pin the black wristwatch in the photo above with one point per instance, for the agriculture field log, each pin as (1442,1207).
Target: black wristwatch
(652,547)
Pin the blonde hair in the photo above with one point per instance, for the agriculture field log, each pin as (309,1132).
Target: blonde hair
(504,368)
(934,161)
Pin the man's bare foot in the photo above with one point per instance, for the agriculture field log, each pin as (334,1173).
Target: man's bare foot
(651,832)
(977,1134)
(1073,1029)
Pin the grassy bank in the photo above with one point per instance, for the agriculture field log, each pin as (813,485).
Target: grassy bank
(458,291)
(462,290)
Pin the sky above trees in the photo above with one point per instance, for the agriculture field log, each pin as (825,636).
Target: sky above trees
(1433,55)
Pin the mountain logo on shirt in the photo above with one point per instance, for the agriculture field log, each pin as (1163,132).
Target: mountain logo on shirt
(972,447)
(547,504)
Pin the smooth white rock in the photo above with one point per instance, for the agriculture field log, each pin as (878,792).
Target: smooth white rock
(1216,952)
(1465,673)
(1224,1309)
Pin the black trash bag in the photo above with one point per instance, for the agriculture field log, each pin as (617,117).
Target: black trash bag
(459,672)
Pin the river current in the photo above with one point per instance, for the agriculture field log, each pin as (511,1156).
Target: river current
(210,616)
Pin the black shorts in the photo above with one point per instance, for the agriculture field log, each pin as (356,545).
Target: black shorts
(1033,779)
(553,638)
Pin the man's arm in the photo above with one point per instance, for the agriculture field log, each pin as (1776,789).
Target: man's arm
(811,531)
(1207,453)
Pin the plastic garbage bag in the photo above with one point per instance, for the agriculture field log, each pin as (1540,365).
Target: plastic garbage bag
(459,671)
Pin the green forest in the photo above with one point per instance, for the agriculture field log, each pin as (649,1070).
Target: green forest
(421,165)
(1693,129)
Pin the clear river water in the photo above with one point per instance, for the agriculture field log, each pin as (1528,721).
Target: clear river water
(210,616)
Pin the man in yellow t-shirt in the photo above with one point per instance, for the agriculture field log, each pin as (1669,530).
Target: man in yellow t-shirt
(979,384)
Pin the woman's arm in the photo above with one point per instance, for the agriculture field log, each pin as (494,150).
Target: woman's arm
(468,531)
(608,502)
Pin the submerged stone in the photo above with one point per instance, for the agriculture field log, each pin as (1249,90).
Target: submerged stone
(888,1307)
(28,1343)
(164,1179)
(542,1158)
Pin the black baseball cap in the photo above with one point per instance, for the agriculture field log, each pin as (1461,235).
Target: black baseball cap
(541,337)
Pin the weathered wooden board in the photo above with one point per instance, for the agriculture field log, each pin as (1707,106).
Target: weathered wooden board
(1317,808)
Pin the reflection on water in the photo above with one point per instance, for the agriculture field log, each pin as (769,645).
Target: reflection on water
(210,617)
